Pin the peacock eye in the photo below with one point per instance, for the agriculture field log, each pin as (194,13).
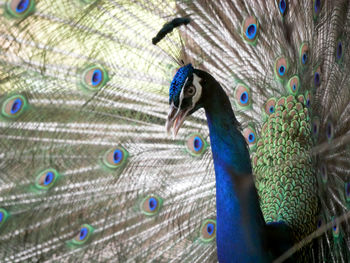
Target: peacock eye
(20,8)
(249,134)
(335,227)
(329,130)
(250,29)
(115,157)
(347,191)
(3,216)
(281,67)
(151,204)
(293,85)
(270,106)
(46,179)
(317,8)
(208,230)
(83,236)
(243,96)
(303,53)
(195,144)
(315,126)
(308,99)
(319,222)
(94,78)
(317,77)
(282,6)
(14,106)
(190,91)
(339,51)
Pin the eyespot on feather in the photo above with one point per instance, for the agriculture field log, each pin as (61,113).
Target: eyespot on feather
(347,191)
(250,29)
(115,157)
(281,68)
(46,179)
(304,53)
(335,227)
(282,6)
(317,77)
(270,106)
(339,51)
(250,136)
(320,221)
(293,85)
(14,106)
(315,127)
(20,8)
(208,230)
(243,96)
(329,130)
(317,6)
(94,78)
(307,99)
(151,205)
(195,144)
(3,216)
(83,236)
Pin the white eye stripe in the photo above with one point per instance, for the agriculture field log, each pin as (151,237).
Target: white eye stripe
(182,93)
(197,85)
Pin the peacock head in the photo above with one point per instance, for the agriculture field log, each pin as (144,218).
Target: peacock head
(184,97)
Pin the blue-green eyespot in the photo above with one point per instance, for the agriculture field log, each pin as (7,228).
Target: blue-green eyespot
(83,236)
(115,157)
(208,230)
(46,179)
(3,216)
(13,106)
(151,205)
(195,144)
(20,8)
(93,78)
(250,30)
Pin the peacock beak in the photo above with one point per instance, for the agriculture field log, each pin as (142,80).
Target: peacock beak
(176,118)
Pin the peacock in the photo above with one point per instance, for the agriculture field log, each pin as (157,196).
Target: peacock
(255,93)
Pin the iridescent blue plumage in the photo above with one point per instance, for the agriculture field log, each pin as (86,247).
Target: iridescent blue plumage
(240,224)
(177,83)
(231,159)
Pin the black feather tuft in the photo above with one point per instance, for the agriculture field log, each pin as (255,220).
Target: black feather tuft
(168,27)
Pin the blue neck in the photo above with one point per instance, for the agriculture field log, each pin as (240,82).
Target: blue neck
(239,219)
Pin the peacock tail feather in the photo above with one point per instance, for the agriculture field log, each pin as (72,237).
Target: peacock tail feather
(87,172)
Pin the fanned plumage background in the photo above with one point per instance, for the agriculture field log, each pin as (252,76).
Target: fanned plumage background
(69,126)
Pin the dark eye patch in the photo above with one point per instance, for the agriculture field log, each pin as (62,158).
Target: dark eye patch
(186,102)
